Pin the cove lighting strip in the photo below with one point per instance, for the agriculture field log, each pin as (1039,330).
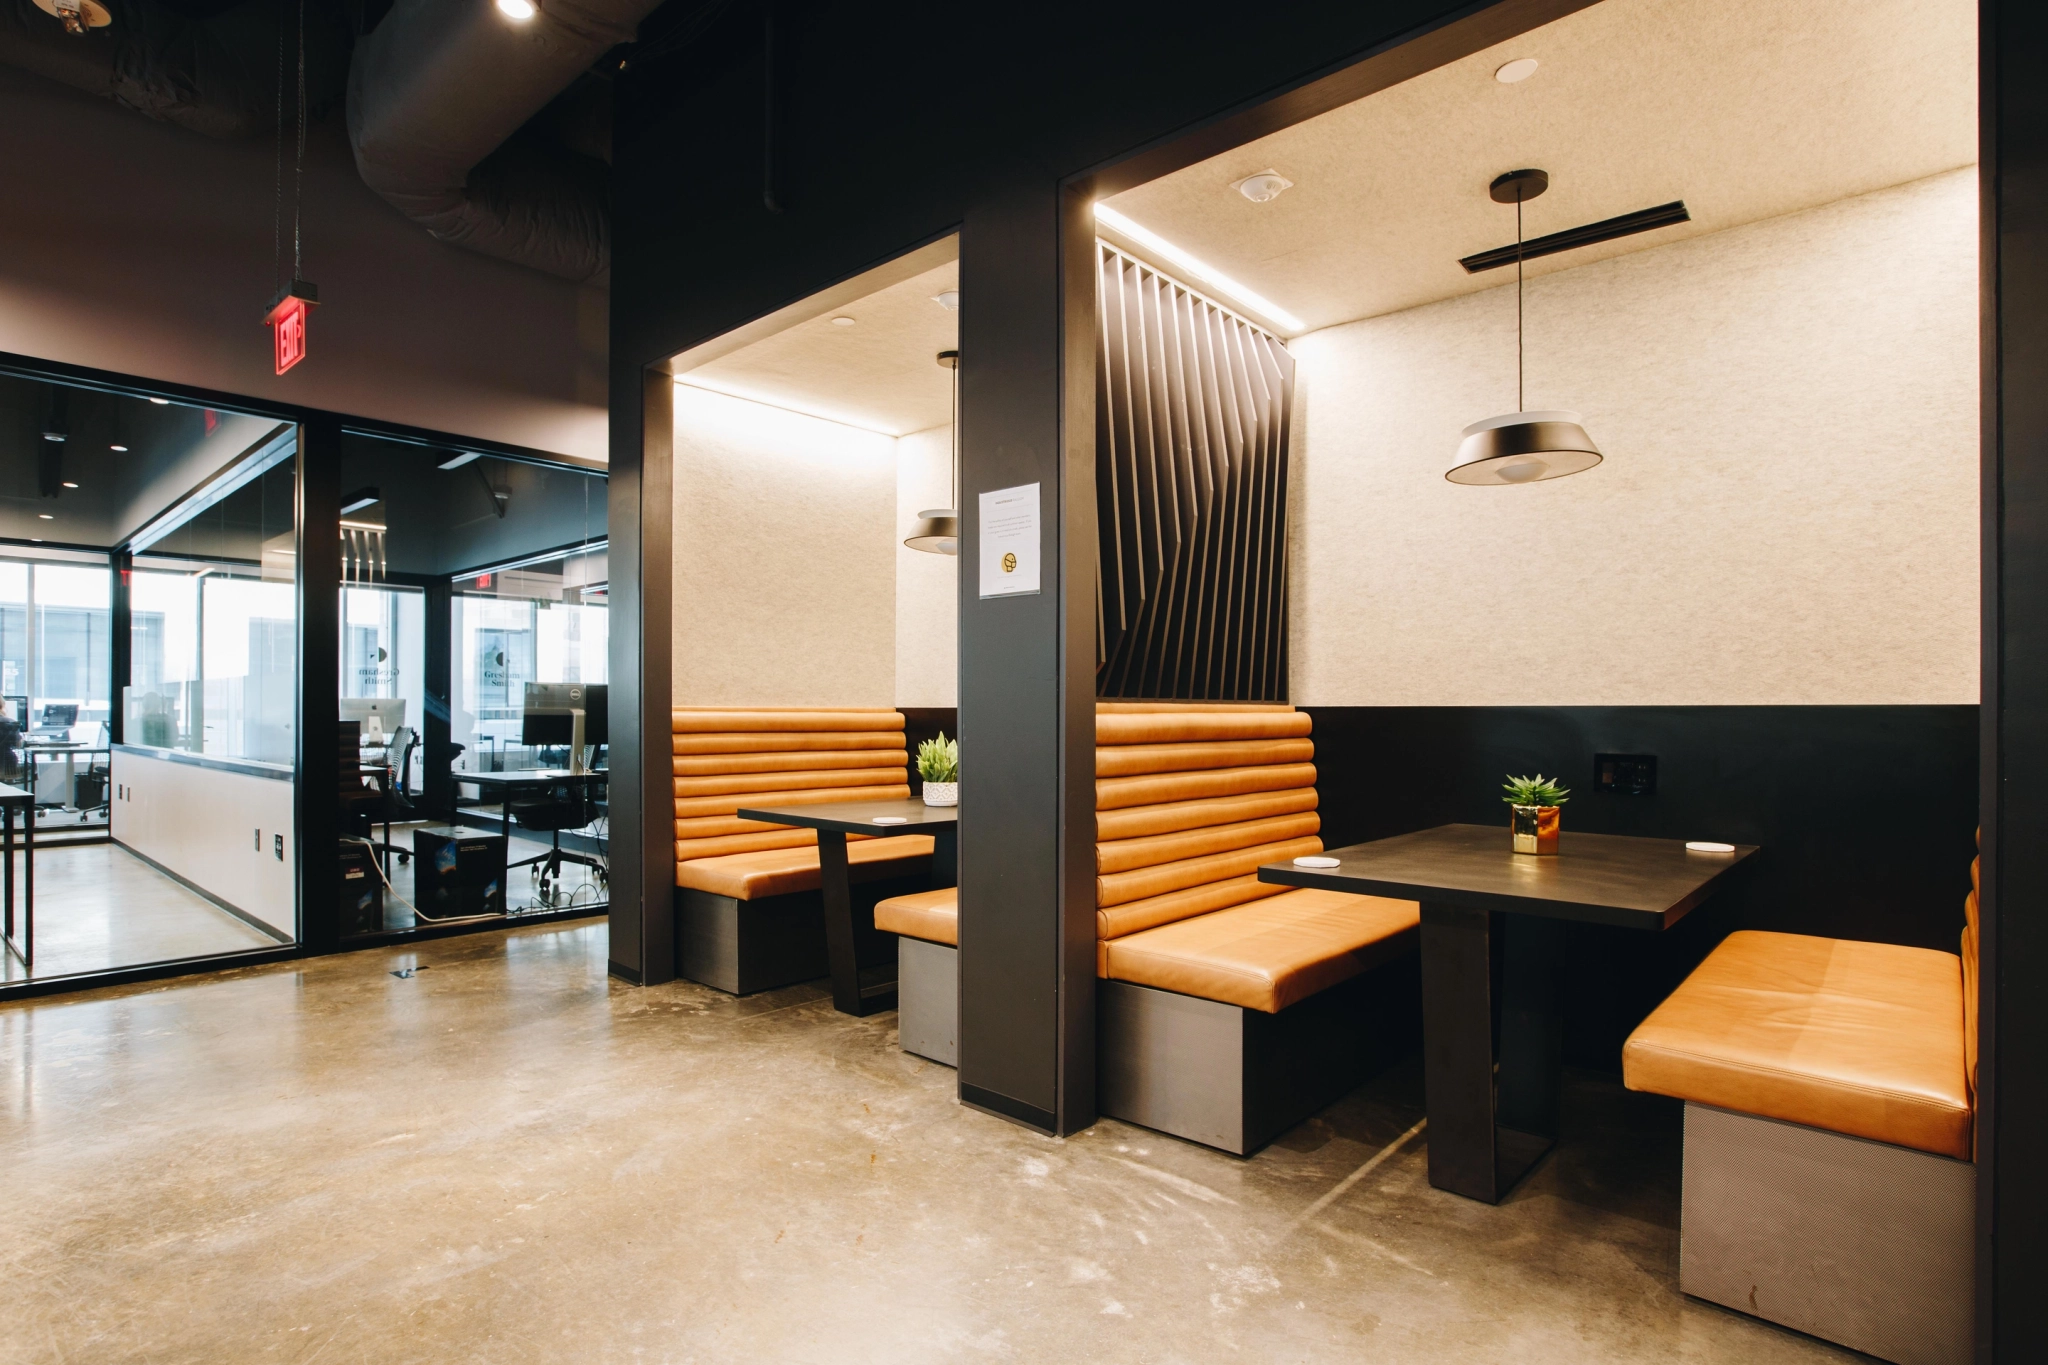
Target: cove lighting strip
(1200,269)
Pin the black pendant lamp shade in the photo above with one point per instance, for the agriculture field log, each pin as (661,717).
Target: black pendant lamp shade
(938,528)
(1522,446)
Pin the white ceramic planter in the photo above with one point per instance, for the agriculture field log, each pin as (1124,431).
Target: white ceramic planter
(942,793)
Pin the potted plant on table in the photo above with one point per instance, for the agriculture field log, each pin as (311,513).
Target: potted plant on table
(938,764)
(1533,802)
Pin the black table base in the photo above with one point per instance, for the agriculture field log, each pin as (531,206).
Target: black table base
(850,994)
(1492,1106)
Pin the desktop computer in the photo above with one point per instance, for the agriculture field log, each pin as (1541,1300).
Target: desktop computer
(378,717)
(573,714)
(56,721)
(362,891)
(458,872)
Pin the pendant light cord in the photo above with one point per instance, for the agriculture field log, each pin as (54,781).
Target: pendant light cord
(1521,403)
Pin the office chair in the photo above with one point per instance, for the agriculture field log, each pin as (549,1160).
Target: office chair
(363,807)
(565,807)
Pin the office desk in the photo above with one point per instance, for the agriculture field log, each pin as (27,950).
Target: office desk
(509,785)
(33,750)
(1493,1117)
(11,800)
(835,880)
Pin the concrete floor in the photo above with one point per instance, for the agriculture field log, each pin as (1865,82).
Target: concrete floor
(505,1157)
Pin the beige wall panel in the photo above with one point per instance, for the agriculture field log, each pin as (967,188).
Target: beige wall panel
(216,829)
(1788,510)
(927,585)
(785,573)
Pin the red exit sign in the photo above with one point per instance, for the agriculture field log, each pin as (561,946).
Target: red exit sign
(287,319)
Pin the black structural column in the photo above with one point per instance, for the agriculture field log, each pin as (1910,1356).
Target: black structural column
(437,784)
(317,792)
(642,584)
(121,647)
(2012,1089)
(1027,714)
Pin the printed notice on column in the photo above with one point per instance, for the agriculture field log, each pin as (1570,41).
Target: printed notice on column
(1009,541)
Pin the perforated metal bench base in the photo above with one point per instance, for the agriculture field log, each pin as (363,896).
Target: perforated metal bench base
(1234,1078)
(928,999)
(1858,1242)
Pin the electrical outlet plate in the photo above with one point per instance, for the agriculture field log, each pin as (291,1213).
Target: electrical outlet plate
(1625,774)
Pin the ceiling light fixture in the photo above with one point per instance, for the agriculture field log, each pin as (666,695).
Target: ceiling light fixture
(69,484)
(842,322)
(458,461)
(938,528)
(1264,187)
(358,500)
(519,11)
(1520,69)
(1522,446)
(77,15)
(948,299)
(45,516)
(161,402)
(1200,269)
(122,449)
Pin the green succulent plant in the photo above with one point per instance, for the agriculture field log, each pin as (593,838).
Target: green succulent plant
(938,760)
(1535,791)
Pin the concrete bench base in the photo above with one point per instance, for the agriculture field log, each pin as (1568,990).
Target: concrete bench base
(742,947)
(1858,1242)
(928,999)
(1234,1078)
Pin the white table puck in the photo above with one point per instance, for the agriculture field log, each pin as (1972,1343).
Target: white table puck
(890,820)
(1317,862)
(1708,846)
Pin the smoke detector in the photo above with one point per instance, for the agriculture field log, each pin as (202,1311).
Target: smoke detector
(1264,187)
(77,15)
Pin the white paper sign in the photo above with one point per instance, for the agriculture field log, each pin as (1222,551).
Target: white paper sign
(1009,541)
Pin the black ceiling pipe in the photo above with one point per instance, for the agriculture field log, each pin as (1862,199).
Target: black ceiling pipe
(440,86)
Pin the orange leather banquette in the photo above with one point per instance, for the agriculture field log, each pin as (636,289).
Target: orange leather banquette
(1189,800)
(728,758)
(1870,1039)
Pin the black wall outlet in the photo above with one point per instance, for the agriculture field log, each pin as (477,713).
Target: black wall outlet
(1626,774)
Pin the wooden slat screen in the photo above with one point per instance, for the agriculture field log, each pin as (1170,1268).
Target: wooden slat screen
(1192,409)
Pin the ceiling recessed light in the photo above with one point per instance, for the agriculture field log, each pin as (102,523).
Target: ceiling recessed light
(161,402)
(45,516)
(949,300)
(842,322)
(1264,187)
(458,461)
(122,449)
(521,10)
(69,484)
(1520,69)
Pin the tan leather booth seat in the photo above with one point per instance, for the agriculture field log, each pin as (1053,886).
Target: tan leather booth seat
(726,758)
(933,916)
(1867,1039)
(1190,800)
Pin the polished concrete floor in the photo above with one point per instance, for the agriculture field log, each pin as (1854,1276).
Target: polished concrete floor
(99,907)
(483,1150)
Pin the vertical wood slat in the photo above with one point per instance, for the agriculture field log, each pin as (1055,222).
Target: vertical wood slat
(1192,432)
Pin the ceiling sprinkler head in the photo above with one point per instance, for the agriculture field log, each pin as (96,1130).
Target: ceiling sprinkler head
(1264,187)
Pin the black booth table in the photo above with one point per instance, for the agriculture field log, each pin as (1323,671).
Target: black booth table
(1486,1129)
(835,880)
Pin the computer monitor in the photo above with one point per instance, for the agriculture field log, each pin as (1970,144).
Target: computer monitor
(548,717)
(59,715)
(379,717)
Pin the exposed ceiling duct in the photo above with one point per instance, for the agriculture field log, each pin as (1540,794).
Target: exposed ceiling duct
(435,95)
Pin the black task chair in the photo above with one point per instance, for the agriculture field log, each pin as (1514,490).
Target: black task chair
(565,806)
(363,807)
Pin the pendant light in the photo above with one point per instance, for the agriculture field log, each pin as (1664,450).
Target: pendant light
(938,529)
(1522,446)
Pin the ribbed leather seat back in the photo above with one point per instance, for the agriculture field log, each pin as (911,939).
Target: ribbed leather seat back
(727,758)
(1969,954)
(1189,800)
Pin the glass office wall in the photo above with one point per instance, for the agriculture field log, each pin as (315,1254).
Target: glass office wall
(56,687)
(465,578)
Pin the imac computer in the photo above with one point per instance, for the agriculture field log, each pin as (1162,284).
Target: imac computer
(379,717)
(574,714)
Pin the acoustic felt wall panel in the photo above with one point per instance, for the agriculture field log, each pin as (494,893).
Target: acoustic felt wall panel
(1192,412)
